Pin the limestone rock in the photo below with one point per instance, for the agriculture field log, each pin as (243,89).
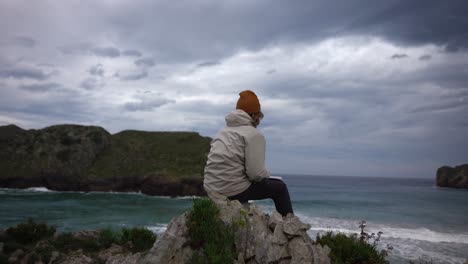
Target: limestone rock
(15,256)
(124,259)
(76,257)
(111,251)
(321,254)
(255,241)
(54,256)
(173,246)
(275,218)
(293,226)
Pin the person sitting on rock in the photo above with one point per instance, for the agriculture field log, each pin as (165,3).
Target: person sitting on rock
(236,163)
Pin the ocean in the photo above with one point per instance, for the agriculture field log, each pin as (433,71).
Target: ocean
(421,221)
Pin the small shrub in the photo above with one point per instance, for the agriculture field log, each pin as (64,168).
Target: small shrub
(30,232)
(142,239)
(106,237)
(209,235)
(354,250)
(67,242)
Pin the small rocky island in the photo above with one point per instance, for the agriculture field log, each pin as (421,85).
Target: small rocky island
(88,158)
(454,177)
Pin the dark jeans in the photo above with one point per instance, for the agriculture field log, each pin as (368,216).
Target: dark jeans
(268,188)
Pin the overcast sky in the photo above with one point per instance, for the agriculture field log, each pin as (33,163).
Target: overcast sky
(365,88)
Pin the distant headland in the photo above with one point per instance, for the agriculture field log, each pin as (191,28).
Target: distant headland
(88,158)
(455,177)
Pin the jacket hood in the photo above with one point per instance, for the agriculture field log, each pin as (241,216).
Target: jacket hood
(238,118)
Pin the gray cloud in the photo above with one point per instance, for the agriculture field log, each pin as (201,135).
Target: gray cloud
(89,83)
(22,72)
(355,114)
(111,52)
(441,106)
(97,70)
(134,53)
(147,105)
(208,64)
(132,76)
(39,87)
(145,62)
(399,56)
(25,41)
(76,48)
(425,57)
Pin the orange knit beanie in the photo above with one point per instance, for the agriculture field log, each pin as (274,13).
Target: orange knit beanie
(248,102)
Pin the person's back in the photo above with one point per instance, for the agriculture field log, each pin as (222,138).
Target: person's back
(236,163)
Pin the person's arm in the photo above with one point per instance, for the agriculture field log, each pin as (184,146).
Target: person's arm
(255,158)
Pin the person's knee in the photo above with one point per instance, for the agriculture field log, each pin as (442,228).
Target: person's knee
(281,186)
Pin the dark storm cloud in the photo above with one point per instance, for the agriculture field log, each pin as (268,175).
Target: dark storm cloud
(39,87)
(145,62)
(25,41)
(97,70)
(22,72)
(414,22)
(134,53)
(132,76)
(147,105)
(399,56)
(111,52)
(210,24)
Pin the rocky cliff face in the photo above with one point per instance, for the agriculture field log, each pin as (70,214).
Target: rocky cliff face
(263,239)
(88,158)
(455,177)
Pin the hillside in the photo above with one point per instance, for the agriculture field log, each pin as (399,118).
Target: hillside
(88,158)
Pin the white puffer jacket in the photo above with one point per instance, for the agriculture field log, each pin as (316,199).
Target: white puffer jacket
(237,156)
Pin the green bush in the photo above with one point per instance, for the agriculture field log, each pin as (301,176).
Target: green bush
(107,237)
(67,242)
(209,235)
(351,250)
(30,232)
(44,253)
(142,239)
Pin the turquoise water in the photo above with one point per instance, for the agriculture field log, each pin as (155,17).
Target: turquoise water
(417,218)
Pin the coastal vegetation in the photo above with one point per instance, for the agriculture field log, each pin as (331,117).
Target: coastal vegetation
(32,242)
(88,158)
(212,240)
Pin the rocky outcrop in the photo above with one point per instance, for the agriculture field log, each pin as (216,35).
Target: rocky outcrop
(260,238)
(88,158)
(455,177)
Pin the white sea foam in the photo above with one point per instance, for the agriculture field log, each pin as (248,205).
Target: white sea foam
(408,243)
(158,229)
(39,189)
(351,227)
(44,189)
